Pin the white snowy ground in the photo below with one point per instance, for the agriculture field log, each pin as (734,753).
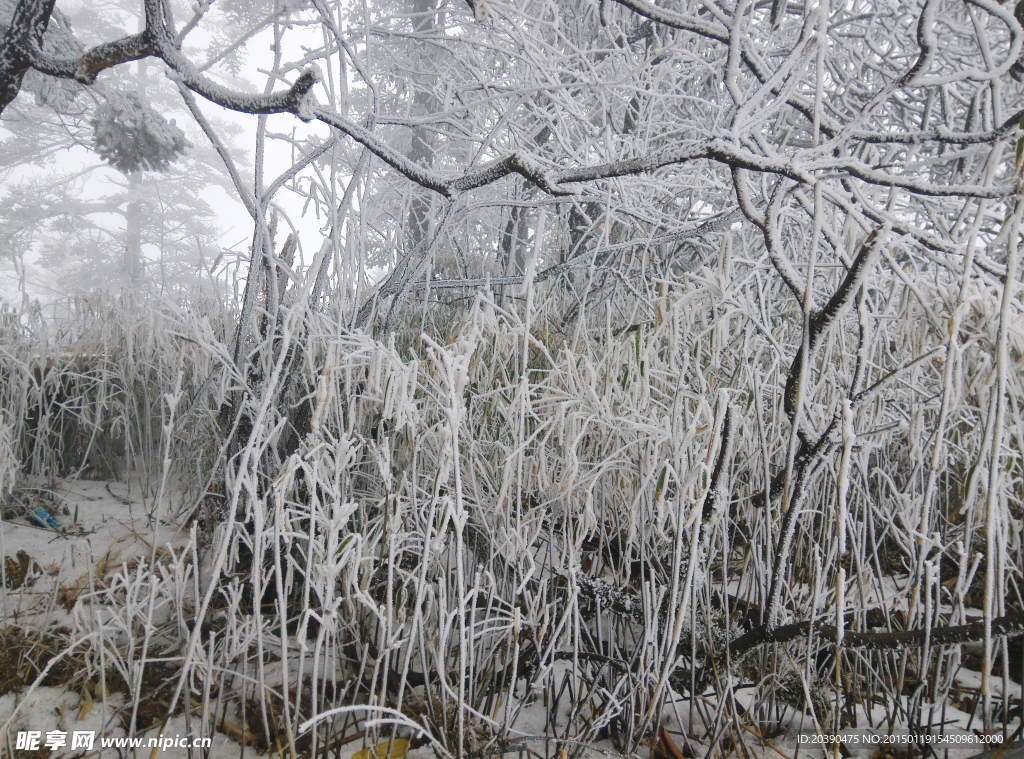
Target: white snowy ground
(105,525)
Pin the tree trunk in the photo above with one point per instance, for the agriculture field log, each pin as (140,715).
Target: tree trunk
(133,233)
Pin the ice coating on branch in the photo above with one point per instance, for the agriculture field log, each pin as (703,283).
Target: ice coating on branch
(59,42)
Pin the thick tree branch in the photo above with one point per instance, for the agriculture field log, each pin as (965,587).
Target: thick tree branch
(22,49)
(25,34)
(718,490)
(677,20)
(835,307)
(1007,626)
(86,68)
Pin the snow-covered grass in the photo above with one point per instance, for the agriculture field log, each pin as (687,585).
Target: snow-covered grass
(495,530)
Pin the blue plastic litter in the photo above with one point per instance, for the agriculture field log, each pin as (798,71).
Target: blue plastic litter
(45,519)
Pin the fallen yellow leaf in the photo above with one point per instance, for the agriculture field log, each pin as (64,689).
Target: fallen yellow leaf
(399,748)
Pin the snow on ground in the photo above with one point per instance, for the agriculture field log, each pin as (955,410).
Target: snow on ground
(103,526)
(107,525)
(47,709)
